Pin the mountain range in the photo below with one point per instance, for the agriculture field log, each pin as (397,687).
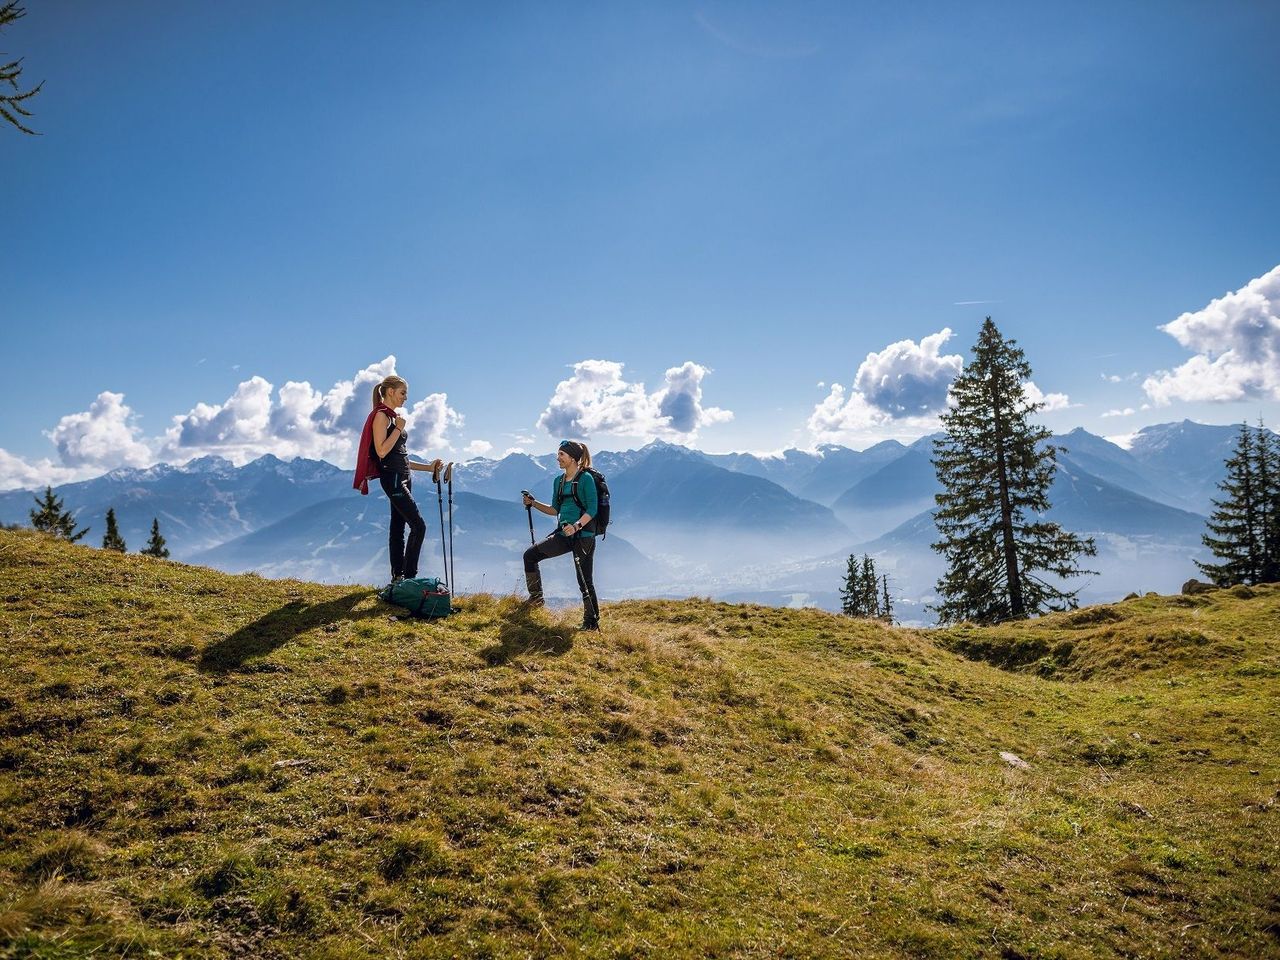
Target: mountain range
(735,526)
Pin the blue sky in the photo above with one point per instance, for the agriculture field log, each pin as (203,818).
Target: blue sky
(754,197)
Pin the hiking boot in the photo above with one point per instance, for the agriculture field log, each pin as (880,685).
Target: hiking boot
(589,624)
(531,603)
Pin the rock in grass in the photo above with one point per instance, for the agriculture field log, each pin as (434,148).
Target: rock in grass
(1197,586)
(1013,760)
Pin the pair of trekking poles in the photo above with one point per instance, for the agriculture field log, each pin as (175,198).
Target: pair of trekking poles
(446,553)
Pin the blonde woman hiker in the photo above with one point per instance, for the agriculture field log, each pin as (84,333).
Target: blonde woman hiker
(574,502)
(383,455)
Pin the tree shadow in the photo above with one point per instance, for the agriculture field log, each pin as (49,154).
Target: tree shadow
(523,631)
(279,627)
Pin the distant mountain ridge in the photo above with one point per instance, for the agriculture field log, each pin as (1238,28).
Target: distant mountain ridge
(686,521)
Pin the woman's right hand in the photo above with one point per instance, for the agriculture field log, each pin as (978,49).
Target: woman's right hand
(529,501)
(400,424)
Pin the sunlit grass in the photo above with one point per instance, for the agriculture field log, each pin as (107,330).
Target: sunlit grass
(213,765)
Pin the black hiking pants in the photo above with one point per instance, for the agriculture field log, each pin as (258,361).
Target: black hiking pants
(404,513)
(584,555)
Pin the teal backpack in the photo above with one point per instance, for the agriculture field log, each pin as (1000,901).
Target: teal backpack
(425,597)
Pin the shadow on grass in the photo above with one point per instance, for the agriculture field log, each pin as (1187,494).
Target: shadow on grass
(524,631)
(278,627)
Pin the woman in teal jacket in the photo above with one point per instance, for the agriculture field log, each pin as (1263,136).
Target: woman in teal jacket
(574,502)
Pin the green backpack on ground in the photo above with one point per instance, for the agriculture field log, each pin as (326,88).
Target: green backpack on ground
(425,597)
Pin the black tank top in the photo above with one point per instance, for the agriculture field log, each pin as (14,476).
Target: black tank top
(397,457)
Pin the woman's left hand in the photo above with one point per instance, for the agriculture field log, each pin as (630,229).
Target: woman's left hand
(568,529)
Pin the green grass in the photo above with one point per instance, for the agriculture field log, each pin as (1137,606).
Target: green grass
(206,765)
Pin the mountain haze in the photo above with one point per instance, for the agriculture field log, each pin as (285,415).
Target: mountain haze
(685,522)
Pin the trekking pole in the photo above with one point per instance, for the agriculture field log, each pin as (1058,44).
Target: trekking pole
(435,475)
(448,478)
(594,612)
(529,511)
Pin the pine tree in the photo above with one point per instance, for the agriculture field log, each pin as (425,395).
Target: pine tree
(886,611)
(1267,458)
(112,539)
(860,595)
(869,587)
(851,592)
(155,546)
(1236,524)
(995,468)
(11,104)
(51,518)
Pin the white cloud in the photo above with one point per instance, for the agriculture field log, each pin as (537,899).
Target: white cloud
(1123,440)
(19,474)
(478,448)
(898,391)
(1236,340)
(597,399)
(299,421)
(429,421)
(1126,412)
(1051,401)
(102,437)
(906,379)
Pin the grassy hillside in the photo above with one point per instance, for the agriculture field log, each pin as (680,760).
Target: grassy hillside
(207,765)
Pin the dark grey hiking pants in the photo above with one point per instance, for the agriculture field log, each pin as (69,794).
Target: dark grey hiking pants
(584,554)
(404,513)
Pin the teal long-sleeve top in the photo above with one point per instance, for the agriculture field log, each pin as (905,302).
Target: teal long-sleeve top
(562,497)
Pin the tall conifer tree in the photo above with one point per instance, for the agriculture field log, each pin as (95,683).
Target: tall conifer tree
(869,586)
(1237,524)
(995,468)
(112,540)
(886,610)
(155,546)
(51,518)
(1268,472)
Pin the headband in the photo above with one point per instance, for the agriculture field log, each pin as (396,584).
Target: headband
(575,450)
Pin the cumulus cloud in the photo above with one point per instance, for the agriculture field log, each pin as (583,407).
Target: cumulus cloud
(429,422)
(102,437)
(1236,341)
(19,474)
(907,379)
(598,399)
(1051,401)
(300,421)
(294,421)
(901,390)
(478,448)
